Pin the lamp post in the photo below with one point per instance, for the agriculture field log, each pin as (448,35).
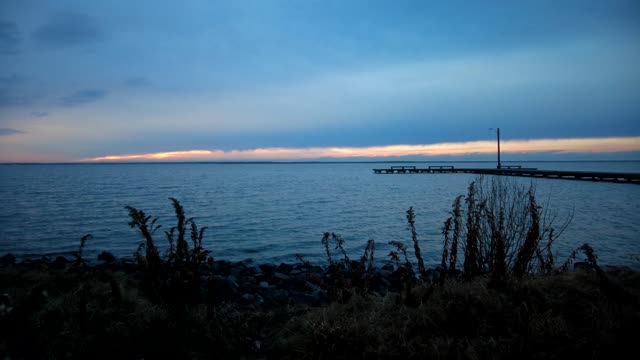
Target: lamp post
(498,131)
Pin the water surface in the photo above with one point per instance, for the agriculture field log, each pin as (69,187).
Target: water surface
(270,212)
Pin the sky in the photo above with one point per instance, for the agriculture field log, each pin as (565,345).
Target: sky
(303,80)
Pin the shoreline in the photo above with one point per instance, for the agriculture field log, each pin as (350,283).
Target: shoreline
(62,308)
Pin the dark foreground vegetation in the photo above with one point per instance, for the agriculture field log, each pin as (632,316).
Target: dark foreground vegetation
(498,293)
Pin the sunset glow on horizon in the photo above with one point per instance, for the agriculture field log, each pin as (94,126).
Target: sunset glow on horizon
(303,80)
(578,145)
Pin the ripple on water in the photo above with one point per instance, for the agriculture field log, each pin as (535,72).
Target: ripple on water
(272,211)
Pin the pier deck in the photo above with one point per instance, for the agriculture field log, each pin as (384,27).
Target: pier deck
(617,177)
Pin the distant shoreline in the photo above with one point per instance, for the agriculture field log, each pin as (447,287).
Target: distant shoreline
(313,162)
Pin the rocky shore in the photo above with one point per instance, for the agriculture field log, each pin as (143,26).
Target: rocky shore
(58,307)
(263,285)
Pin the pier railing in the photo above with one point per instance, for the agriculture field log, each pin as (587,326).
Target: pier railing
(518,170)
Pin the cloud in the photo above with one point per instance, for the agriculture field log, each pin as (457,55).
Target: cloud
(83,97)
(577,145)
(527,88)
(67,29)
(9,131)
(9,38)
(137,81)
(11,93)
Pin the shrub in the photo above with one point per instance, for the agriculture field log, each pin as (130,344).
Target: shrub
(177,275)
(505,231)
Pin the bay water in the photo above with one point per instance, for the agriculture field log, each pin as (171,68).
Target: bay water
(270,212)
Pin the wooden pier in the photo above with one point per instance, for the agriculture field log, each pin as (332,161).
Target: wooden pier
(517,170)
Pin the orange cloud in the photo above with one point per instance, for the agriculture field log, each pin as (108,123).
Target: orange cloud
(579,145)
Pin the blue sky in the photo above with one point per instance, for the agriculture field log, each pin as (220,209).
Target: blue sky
(88,79)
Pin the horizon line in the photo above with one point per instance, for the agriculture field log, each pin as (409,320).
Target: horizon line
(285,162)
(466,148)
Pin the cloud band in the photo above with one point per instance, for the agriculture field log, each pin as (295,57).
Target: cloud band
(575,145)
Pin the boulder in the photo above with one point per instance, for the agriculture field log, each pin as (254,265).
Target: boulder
(8,259)
(388,267)
(284,268)
(60,263)
(268,268)
(221,288)
(107,257)
(281,276)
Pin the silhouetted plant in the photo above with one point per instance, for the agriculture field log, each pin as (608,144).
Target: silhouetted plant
(367,257)
(498,252)
(300,258)
(591,259)
(78,254)
(505,231)
(181,250)
(407,275)
(457,231)
(177,276)
(400,248)
(139,220)
(471,253)
(527,250)
(446,229)
(411,220)
(340,245)
(338,289)
(363,268)
(325,244)
(198,253)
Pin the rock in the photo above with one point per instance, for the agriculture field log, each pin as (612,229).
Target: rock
(582,265)
(128,266)
(297,283)
(268,268)
(295,272)
(249,281)
(107,257)
(205,270)
(278,297)
(35,264)
(259,300)
(238,269)
(281,276)
(221,288)
(60,263)
(296,297)
(264,284)
(61,260)
(251,299)
(222,267)
(617,270)
(388,267)
(284,268)
(312,287)
(8,259)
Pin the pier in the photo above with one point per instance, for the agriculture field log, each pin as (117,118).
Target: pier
(517,170)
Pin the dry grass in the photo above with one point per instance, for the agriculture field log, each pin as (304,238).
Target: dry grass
(566,315)
(507,233)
